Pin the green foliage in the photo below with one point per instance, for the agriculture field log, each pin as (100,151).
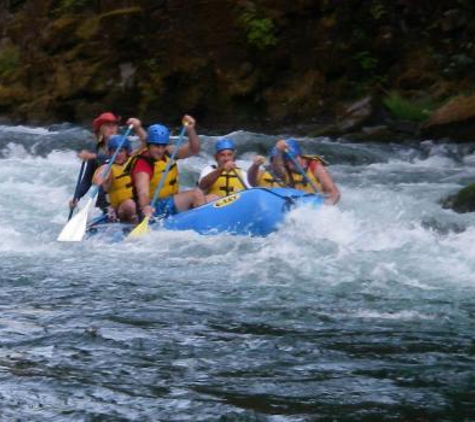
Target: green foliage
(9,60)
(405,109)
(88,28)
(366,60)
(151,64)
(65,6)
(377,10)
(259,29)
(359,34)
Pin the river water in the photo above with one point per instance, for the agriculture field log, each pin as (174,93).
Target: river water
(360,312)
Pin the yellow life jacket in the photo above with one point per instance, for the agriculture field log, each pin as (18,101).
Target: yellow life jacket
(266,180)
(227,183)
(170,186)
(296,180)
(121,185)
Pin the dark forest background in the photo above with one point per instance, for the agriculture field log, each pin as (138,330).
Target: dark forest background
(373,68)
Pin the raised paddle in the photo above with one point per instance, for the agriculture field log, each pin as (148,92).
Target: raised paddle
(75,228)
(75,197)
(302,171)
(142,228)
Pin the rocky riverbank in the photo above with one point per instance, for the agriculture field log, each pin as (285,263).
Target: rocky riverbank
(374,69)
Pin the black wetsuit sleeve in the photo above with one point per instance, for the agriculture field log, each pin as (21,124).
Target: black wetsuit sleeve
(86,181)
(102,159)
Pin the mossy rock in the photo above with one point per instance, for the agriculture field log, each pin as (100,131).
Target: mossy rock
(38,110)
(71,80)
(60,33)
(459,109)
(13,94)
(92,26)
(463,201)
(455,119)
(241,81)
(89,28)
(296,97)
(9,60)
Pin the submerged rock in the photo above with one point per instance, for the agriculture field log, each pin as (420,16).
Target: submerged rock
(463,201)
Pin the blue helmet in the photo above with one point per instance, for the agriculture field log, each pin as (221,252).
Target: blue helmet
(274,152)
(224,143)
(293,147)
(158,135)
(115,140)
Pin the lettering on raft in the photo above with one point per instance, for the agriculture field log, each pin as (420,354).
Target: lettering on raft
(226,201)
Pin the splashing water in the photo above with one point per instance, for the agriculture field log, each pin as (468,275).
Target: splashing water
(363,311)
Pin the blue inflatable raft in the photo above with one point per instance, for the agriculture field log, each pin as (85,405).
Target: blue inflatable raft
(254,212)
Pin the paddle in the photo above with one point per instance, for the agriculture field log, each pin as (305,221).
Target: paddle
(302,171)
(241,181)
(278,180)
(75,228)
(285,198)
(142,228)
(75,197)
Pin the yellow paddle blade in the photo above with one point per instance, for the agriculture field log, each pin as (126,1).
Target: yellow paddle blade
(140,229)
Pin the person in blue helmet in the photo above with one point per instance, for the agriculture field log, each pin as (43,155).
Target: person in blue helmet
(147,168)
(265,178)
(117,184)
(286,152)
(224,177)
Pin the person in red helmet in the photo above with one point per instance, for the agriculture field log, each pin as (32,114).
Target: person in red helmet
(104,126)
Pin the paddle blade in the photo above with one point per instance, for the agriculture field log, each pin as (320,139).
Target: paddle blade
(141,229)
(75,228)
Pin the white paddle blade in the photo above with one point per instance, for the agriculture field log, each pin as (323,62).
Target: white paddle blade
(75,228)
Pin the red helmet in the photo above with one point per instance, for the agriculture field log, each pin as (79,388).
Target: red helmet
(107,117)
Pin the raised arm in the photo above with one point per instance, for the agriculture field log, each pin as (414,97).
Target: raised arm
(192,147)
(253,171)
(278,161)
(139,131)
(98,180)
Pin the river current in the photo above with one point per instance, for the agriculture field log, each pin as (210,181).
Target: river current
(360,312)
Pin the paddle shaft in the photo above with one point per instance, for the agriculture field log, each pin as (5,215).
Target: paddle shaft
(277,179)
(76,189)
(142,227)
(241,181)
(75,228)
(105,172)
(167,168)
(302,172)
